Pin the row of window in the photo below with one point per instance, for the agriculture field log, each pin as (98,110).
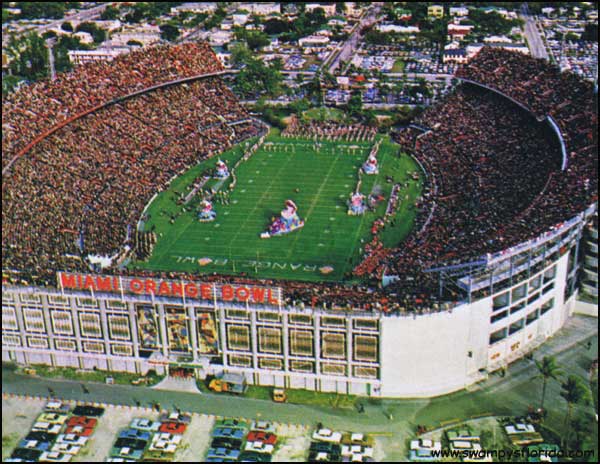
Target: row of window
(66,345)
(301,342)
(504,299)
(276,364)
(534,315)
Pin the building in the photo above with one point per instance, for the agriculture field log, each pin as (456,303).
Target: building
(473,49)
(589,277)
(455,55)
(146,34)
(460,11)
(397,28)
(328,8)
(459,31)
(313,41)
(84,37)
(220,38)
(100,54)
(261,9)
(138,324)
(203,7)
(353,10)
(435,11)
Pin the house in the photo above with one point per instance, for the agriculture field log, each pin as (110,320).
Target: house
(398,29)
(435,11)
(100,54)
(460,11)
(226,25)
(548,11)
(84,37)
(497,39)
(328,8)
(343,82)
(203,7)
(220,38)
(261,9)
(239,19)
(313,41)
(458,56)
(403,14)
(353,10)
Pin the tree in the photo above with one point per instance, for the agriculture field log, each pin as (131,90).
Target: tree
(169,32)
(135,43)
(256,40)
(354,104)
(98,34)
(110,13)
(47,10)
(548,369)
(67,26)
(574,391)
(29,56)
(240,54)
(276,26)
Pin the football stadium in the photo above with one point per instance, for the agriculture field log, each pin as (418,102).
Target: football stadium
(150,222)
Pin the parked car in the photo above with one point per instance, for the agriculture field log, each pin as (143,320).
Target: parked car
(53,456)
(222,453)
(134,433)
(267,438)
(146,425)
(327,435)
(66,448)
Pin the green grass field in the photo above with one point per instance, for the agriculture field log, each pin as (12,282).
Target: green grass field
(319,183)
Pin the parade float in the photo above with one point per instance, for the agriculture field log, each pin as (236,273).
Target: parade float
(221,172)
(356,204)
(287,222)
(370,166)
(206,213)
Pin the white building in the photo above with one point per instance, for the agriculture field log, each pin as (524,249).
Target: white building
(313,41)
(397,28)
(328,8)
(84,37)
(100,54)
(461,11)
(220,38)
(473,49)
(261,9)
(202,7)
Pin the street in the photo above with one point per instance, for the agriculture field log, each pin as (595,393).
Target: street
(534,39)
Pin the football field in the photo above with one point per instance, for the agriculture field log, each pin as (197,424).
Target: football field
(319,179)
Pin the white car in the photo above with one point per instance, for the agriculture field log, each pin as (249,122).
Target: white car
(52,456)
(327,435)
(67,448)
(259,447)
(72,439)
(46,427)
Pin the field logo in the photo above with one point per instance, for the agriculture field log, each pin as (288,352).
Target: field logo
(254,264)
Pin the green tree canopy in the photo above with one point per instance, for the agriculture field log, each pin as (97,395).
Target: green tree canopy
(110,13)
(98,34)
(169,32)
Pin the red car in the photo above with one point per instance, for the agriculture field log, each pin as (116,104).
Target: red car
(80,430)
(264,437)
(87,422)
(172,427)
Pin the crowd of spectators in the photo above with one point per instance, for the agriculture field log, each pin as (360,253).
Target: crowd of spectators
(34,109)
(82,190)
(494,177)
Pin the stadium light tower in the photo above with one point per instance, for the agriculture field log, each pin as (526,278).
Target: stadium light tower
(50,42)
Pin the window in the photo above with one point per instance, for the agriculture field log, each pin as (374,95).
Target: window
(118,327)
(501,301)
(365,372)
(269,340)
(548,288)
(7,297)
(333,369)
(87,303)
(302,366)
(122,350)
(550,274)
(517,307)
(499,316)
(533,297)
(532,316)
(116,304)
(547,306)
(62,322)
(333,345)
(58,300)
(36,342)
(30,298)
(271,364)
(93,347)
(519,292)
(516,326)
(11,340)
(301,342)
(237,314)
(34,320)
(535,283)
(89,324)
(238,337)
(497,336)
(366,348)
(301,319)
(9,318)
(366,324)
(240,361)
(65,345)
(327,321)
(268,316)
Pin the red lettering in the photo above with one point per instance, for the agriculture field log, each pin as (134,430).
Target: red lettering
(242,293)
(150,286)
(191,291)
(89,283)
(176,289)
(206,291)
(103,284)
(272,300)
(67,280)
(79,281)
(136,286)
(227,293)
(258,294)
(116,284)
(164,289)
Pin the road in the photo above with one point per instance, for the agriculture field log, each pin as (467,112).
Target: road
(347,48)
(501,396)
(534,38)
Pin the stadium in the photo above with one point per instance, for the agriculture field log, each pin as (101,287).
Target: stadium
(143,229)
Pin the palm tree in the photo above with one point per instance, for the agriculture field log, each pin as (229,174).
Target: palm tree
(574,391)
(548,370)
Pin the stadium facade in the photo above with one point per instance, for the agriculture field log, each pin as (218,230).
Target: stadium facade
(515,301)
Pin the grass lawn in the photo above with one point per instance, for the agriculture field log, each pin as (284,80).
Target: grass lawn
(320,183)
(325,113)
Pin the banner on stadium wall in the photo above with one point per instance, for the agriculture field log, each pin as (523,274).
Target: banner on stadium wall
(150,286)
